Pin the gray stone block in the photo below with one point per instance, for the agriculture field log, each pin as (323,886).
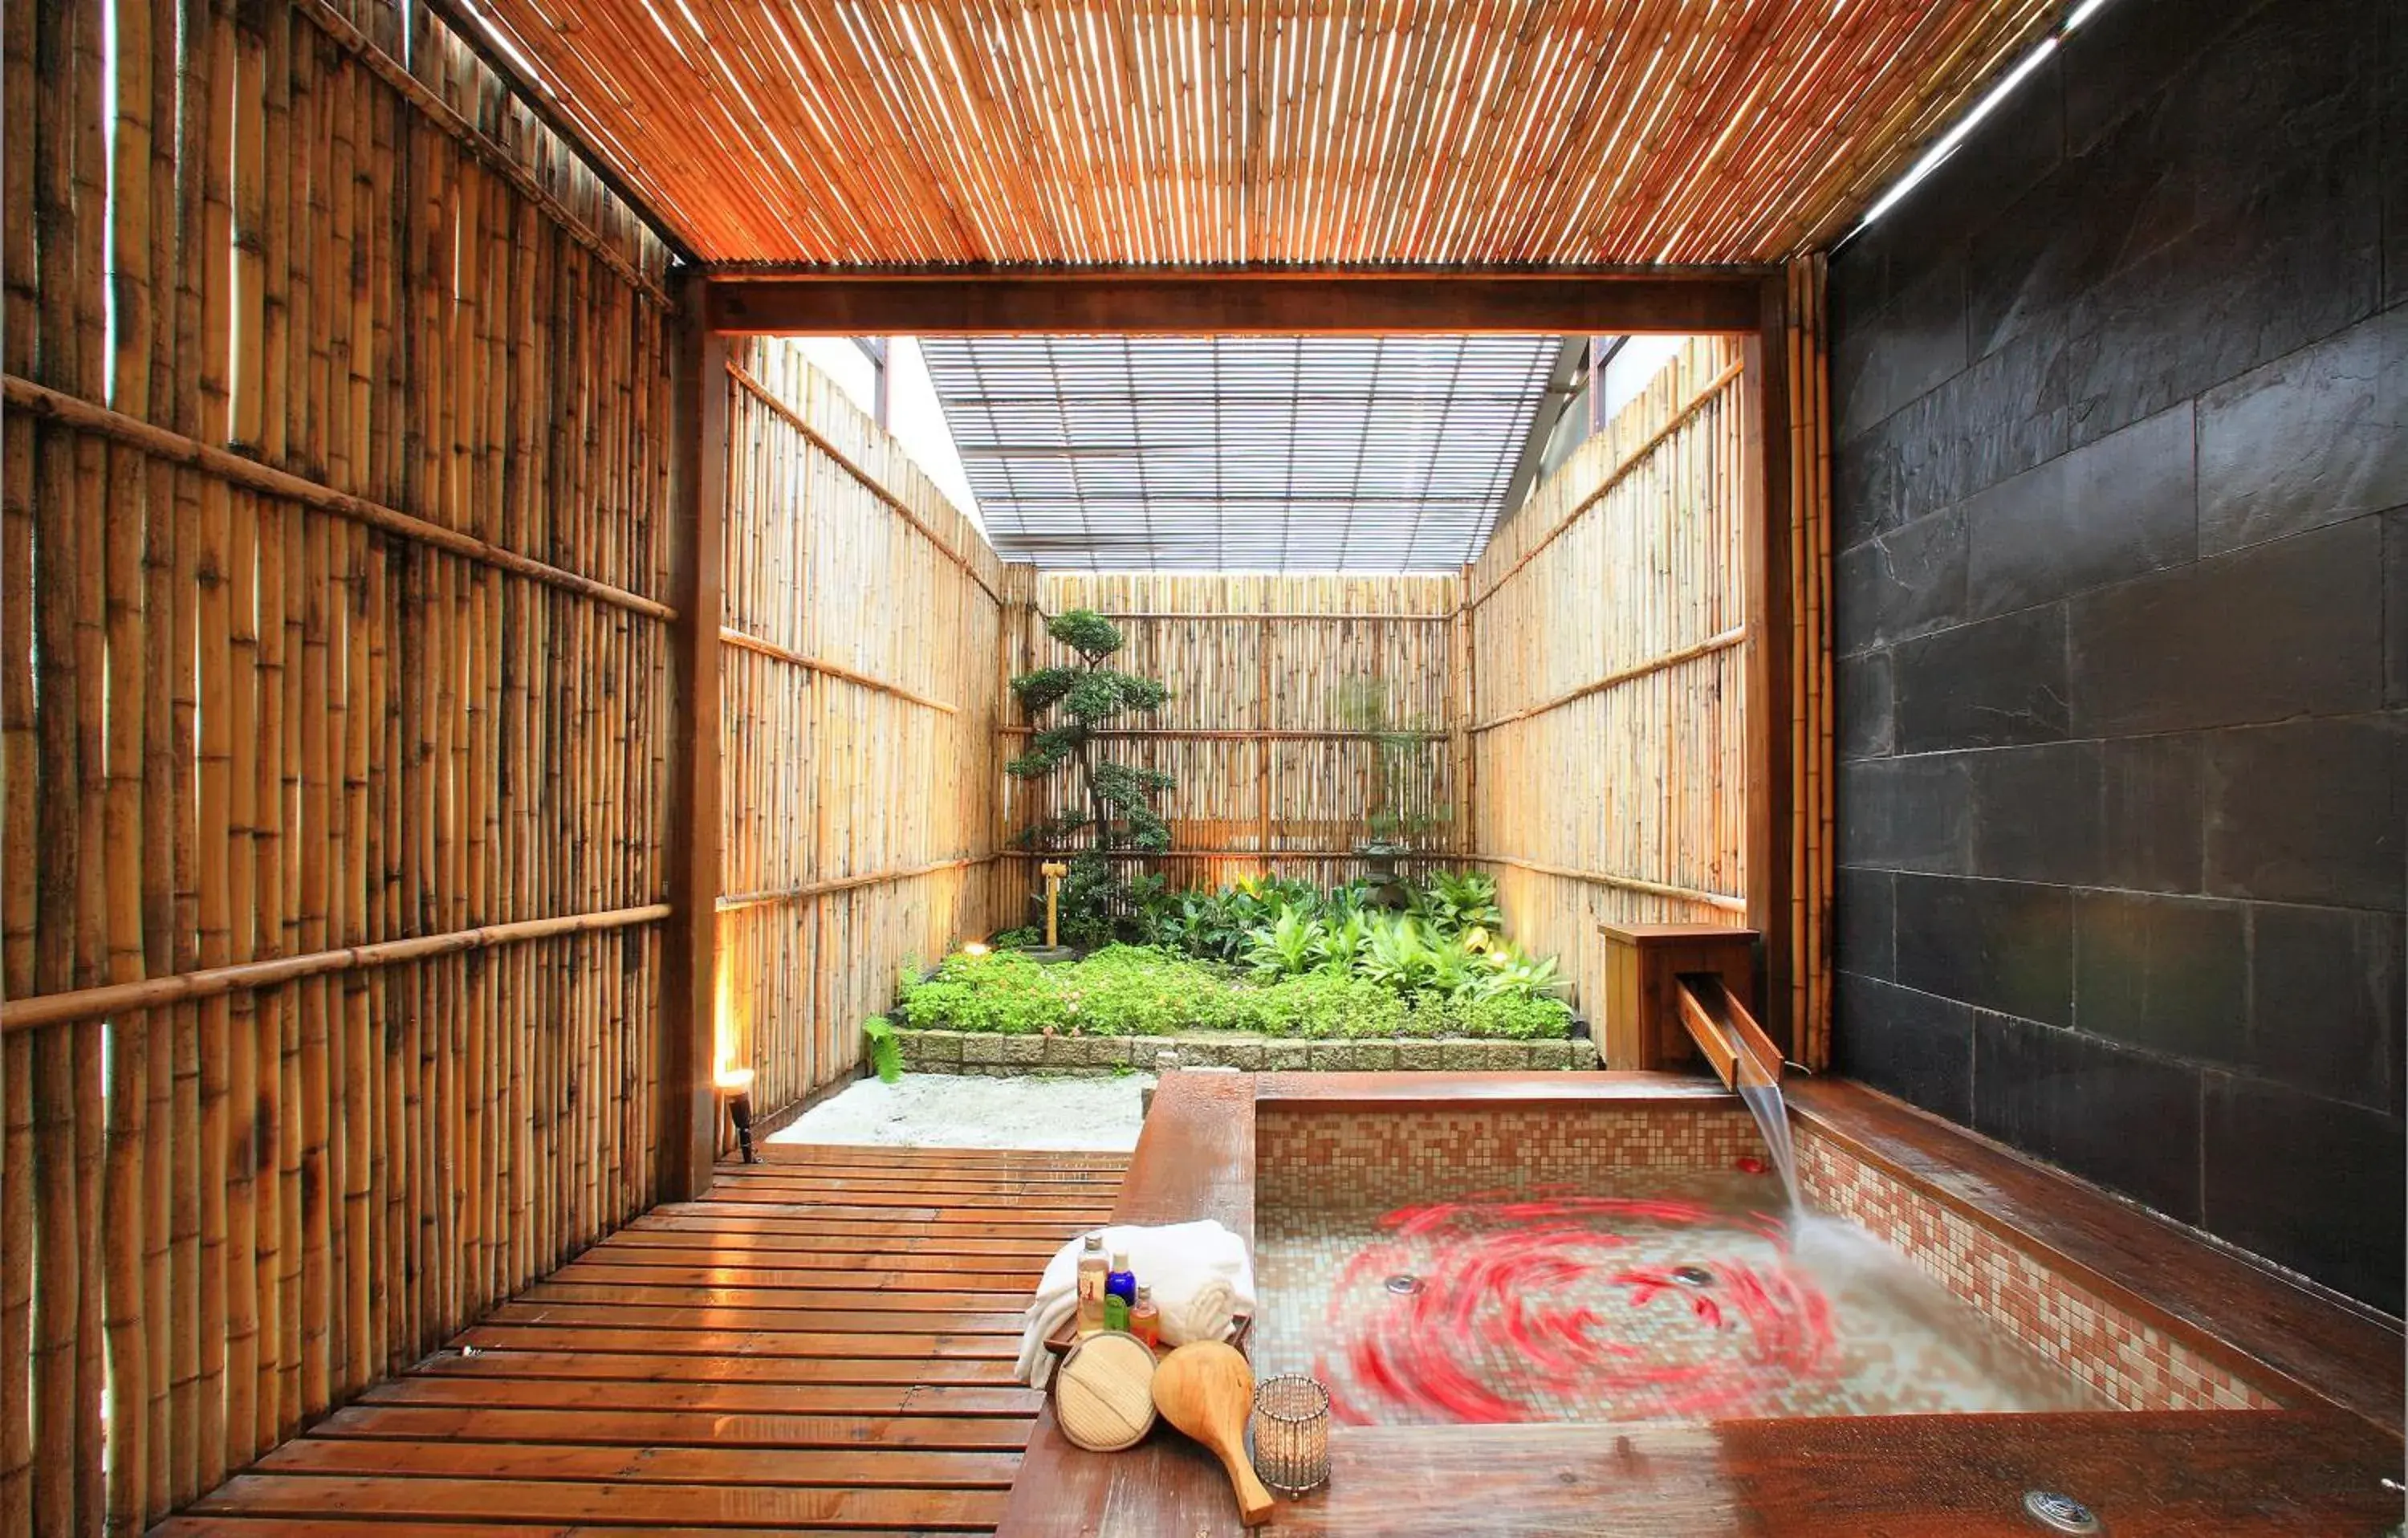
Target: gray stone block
(1375,1056)
(924,1049)
(1024,1051)
(1286,1056)
(1504,1057)
(1244,1055)
(1104,1052)
(979,1049)
(1332,1057)
(1551,1054)
(1422,1056)
(1063,1051)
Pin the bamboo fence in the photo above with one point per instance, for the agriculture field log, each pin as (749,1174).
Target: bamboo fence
(1280,689)
(333,671)
(1607,647)
(1281,132)
(861,624)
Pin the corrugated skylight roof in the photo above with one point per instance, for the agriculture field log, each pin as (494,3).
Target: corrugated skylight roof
(1240,453)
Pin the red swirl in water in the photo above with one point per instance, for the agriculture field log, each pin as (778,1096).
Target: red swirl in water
(1524,1303)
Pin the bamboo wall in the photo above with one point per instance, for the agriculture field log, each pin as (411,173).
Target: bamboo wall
(334,671)
(1263,730)
(1608,675)
(860,633)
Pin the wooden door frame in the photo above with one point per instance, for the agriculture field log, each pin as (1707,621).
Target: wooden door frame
(1748,302)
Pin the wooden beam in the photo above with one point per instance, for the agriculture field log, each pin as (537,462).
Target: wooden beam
(689,1048)
(1236,302)
(1766,549)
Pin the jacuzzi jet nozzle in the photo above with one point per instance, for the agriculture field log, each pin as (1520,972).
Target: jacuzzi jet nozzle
(1693,1276)
(1404,1284)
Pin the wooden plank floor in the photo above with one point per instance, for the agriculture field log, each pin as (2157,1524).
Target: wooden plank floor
(823,1342)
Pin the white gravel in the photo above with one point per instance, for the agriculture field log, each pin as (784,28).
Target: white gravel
(941,1111)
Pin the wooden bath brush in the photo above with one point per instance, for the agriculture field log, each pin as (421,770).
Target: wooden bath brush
(1206,1390)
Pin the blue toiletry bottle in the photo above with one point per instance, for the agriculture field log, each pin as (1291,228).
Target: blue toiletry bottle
(1120,1282)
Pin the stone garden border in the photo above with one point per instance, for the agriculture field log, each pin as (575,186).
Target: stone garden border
(995,1056)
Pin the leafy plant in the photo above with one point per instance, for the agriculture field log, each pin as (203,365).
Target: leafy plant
(1460,902)
(1289,945)
(885,1051)
(1026,937)
(1067,706)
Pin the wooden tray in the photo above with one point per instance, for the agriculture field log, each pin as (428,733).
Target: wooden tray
(1066,1335)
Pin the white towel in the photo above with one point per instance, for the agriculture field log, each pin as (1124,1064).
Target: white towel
(1200,1274)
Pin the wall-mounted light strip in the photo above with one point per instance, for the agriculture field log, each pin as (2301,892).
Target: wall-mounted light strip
(1947,143)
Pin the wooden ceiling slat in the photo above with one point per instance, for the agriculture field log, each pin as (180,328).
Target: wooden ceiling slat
(1201,133)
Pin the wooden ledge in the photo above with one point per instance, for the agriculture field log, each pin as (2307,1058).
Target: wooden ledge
(1424,1091)
(2301,1341)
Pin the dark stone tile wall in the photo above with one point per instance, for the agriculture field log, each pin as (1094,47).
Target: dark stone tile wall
(2122,507)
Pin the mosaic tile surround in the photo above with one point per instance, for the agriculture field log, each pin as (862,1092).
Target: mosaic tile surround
(1323,1175)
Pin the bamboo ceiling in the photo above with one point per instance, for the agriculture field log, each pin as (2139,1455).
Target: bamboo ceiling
(1405,132)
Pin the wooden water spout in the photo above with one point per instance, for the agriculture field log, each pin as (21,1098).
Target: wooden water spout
(1735,1046)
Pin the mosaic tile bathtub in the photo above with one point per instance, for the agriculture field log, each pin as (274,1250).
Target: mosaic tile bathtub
(1631,1262)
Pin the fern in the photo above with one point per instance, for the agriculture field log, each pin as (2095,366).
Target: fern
(885,1050)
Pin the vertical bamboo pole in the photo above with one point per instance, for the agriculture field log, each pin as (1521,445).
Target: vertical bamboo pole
(22,762)
(123,1282)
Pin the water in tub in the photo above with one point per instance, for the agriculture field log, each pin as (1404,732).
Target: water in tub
(1629,1296)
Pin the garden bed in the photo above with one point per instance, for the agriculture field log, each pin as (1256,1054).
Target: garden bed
(1007,1057)
(1268,976)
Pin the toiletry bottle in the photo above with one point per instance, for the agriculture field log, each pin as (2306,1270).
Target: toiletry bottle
(1145,1320)
(1116,1312)
(1122,1282)
(1092,1269)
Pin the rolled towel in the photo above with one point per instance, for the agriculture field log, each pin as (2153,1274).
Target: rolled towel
(1177,1261)
(1205,1314)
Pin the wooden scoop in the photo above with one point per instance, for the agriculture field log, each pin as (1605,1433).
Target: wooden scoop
(1206,1390)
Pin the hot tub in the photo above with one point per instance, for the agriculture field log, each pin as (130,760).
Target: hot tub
(1555,1304)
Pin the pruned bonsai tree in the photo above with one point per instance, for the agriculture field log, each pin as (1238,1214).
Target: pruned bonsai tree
(1067,706)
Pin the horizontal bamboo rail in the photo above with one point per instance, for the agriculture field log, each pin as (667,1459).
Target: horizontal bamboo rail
(1722,900)
(1274,734)
(1735,637)
(1264,855)
(392,73)
(876,488)
(47,405)
(120,998)
(1290,616)
(771,649)
(1635,458)
(846,883)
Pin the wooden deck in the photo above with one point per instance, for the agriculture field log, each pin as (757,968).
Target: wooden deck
(825,1341)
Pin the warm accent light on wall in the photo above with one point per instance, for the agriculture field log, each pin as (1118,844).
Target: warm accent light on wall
(975,947)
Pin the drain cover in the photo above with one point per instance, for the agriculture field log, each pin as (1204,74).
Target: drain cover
(2058,1512)
(1693,1276)
(1404,1282)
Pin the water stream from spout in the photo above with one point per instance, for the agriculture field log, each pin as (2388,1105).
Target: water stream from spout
(1771,1112)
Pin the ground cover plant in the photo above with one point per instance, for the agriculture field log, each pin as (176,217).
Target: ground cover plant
(1282,959)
